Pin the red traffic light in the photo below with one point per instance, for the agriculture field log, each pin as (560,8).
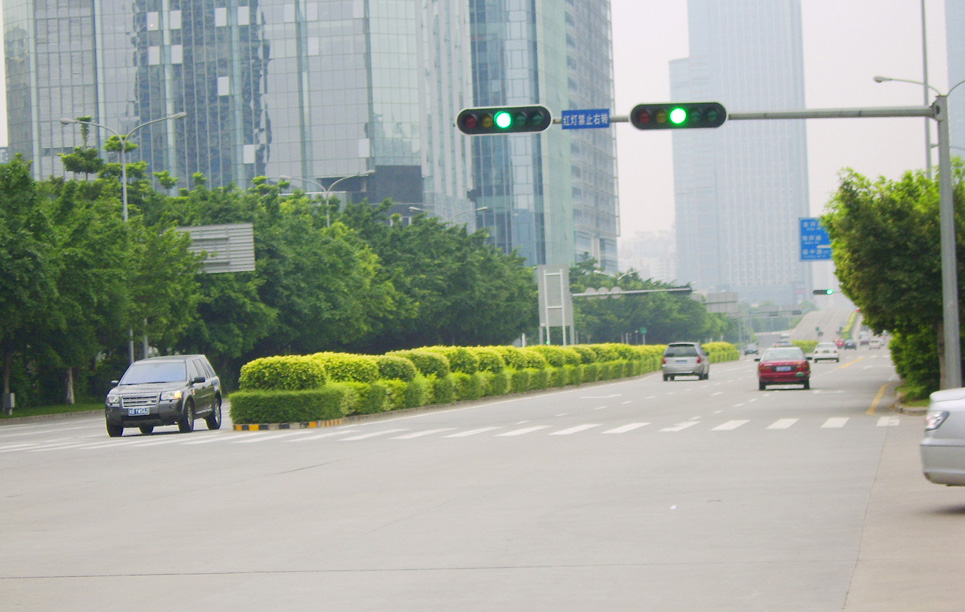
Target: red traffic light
(503,120)
(684,115)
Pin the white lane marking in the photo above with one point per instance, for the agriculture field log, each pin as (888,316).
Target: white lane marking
(889,421)
(626,428)
(730,425)
(262,437)
(716,393)
(472,432)
(419,434)
(14,447)
(127,442)
(836,423)
(329,434)
(225,437)
(626,402)
(782,423)
(573,430)
(681,426)
(523,431)
(168,439)
(371,435)
(600,407)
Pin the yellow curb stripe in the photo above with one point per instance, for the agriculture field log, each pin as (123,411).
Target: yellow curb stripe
(279,426)
(851,363)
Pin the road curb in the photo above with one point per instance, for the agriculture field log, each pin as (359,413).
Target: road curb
(277,426)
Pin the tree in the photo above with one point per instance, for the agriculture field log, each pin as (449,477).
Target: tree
(886,249)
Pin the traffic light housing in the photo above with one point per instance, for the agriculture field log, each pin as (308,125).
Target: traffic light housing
(686,115)
(823,291)
(503,120)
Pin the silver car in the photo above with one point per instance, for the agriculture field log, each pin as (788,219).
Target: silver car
(943,449)
(685,359)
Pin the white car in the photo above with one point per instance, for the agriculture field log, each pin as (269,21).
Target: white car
(825,350)
(875,343)
(943,449)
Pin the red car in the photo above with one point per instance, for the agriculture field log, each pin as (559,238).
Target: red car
(783,366)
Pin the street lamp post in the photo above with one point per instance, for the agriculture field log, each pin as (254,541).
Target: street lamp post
(950,314)
(327,191)
(124,140)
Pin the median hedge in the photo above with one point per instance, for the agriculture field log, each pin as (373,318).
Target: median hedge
(327,386)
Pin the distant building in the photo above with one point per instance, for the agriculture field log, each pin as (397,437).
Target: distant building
(361,92)
(652,254)
(741,188)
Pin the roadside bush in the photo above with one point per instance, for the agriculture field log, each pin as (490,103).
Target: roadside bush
(284,372)
(519,380)
(574,374)
(539,379)
(469,386)
(370,398)
(587,354)
(500,383)
(511,355)
(428,363)
(444,389)
(346,367)
(591,372)
(393,367)
(489,359)
(395,392)
(532,358)
(916,360)
(418,393)
(553,355)
(725,351)
(460,359)
(260,406)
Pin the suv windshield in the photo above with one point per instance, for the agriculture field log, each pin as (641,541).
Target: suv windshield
(686,350)
(154,372)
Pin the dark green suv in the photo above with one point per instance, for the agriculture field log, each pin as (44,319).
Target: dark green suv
(159,391)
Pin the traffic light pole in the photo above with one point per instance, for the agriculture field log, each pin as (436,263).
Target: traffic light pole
(939,112)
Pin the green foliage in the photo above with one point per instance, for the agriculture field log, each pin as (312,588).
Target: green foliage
(469,386)
(418,393)
(725,351)
(288,372)
(915,357)
(512,356)
(554,355)
(499,383)
(260,406)
(444,389)
(587,354)
(395,367)
(428,363)
(805,345)
(370,397)
(395,393)
(519,380)
(344,367)
(460,359)
(489,359)
(532,358)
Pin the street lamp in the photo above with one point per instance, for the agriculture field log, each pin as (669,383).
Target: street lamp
(326,191)
(950,318)
(124,139)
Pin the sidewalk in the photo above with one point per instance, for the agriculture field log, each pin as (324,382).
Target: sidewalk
(912,554)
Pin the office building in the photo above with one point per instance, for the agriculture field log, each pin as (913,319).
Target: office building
(741,189)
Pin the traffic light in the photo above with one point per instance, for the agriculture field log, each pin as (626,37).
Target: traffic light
(823,291)
(678,116)
(503,120)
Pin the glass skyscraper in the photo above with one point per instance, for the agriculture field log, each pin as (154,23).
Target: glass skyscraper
(740,189)
(321,90)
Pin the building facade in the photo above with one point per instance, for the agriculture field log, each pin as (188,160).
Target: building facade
(363,92)
(741,189)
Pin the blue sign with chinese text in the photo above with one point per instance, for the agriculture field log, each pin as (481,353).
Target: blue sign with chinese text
(586,119)
(815,242)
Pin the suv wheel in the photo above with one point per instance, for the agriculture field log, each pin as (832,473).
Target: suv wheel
(213,420)
(186,424)
(115,431)
(146,429)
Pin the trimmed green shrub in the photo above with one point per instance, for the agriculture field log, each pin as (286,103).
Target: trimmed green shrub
(553,355)
(346,367)
(460,359)
(557,377)
(539,379)
(591,372)
(259,406)
(519,380)
(418,393)
(395,392)
(283,372)
(587,354)
(489,359)
(511,355)
(725,351)
(532,358)
(574,374)
(500,383)
(444,389)
(428,363)
(371,397)
(468,386)
(394,367)
(606,352)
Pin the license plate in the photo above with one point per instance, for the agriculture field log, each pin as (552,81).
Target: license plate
(782,369)
(681,361)
(138,411)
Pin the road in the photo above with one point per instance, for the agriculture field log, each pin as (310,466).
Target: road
(633,495)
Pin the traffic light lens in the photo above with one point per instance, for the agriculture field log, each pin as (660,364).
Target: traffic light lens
(503,120)
(678,116)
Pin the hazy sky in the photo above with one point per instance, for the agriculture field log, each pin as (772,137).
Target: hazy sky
(846,43)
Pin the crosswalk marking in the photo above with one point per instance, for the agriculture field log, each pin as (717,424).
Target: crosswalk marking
(371,435)
(731,425)
(472,432)
(888,421)
(338,432)
(259,438)
(835,423)
(573,430)
(626,428)
(520,432)
(419,434)
(782,423)
(681,426)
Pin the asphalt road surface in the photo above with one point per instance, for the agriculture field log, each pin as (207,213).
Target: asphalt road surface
(635,495)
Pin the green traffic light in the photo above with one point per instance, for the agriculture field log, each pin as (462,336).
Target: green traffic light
(503,120)
(828,291)
(678,116)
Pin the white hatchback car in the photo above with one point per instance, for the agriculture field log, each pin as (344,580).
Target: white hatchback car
(943,449)
(826,350)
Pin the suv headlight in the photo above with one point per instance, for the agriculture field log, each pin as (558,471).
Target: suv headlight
(934,420)
(168,396)
(113,399)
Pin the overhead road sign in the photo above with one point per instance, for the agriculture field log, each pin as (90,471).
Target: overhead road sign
(586,119)
(815,242)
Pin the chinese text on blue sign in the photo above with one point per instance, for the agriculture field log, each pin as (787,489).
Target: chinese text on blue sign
(815,242)
(586,119)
